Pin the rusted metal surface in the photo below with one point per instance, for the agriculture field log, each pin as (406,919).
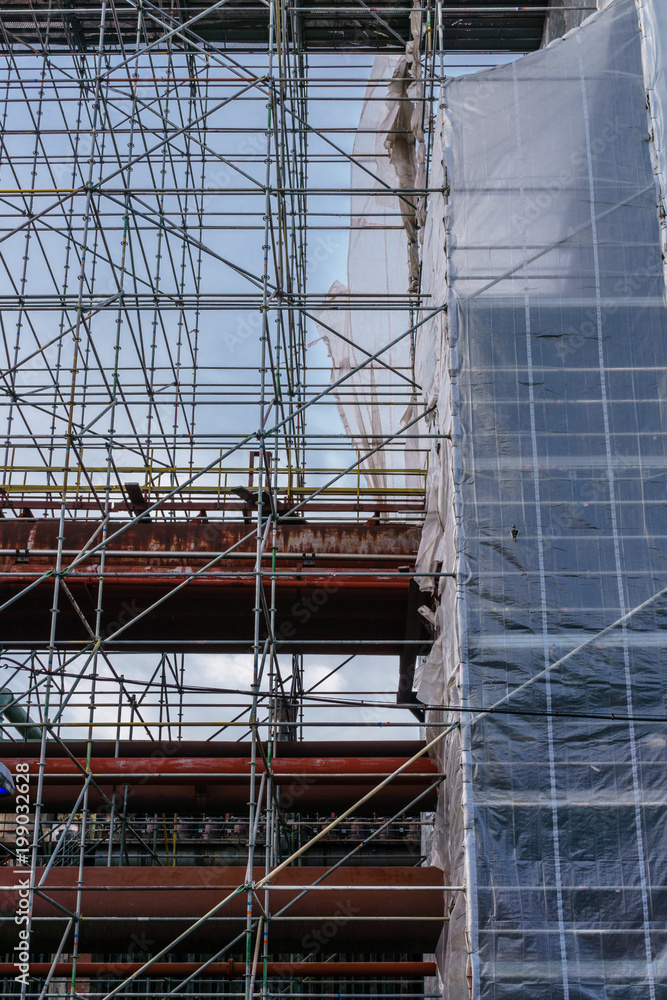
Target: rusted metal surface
(375,909)
(216,785)
(218,800)
(230,970)
(339,583)
(186,537)
(221,770)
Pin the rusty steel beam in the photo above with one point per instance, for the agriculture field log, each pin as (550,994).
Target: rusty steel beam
(216,785)
(204,779)
(230,970)
(339,583)
(223,770)
(218,800)
(376,909)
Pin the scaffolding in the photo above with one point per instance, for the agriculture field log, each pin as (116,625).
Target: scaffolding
(181,501)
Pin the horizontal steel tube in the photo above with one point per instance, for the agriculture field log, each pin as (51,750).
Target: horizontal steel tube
(288,749)
(150,555)
(230,970)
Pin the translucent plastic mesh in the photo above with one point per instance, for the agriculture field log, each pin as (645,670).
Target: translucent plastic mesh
(552,376)
(377,262)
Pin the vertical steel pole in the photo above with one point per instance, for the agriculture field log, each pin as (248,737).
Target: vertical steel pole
(260,536)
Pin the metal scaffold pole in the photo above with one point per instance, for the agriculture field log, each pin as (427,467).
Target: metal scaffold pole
(214,468)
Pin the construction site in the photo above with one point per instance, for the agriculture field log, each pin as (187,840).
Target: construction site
(333,501)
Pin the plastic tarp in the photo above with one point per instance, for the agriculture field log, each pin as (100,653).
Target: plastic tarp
(377,263)
(550,503)
(387,171)
(653,24)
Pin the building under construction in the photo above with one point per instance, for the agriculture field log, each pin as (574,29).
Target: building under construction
(333,515)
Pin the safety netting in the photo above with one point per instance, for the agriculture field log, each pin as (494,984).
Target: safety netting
(547,496)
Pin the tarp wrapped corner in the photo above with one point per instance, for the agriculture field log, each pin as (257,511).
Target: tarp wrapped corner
(550,504)
(383,259)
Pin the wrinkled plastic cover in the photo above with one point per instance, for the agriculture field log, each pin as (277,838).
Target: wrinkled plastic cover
(551,503)
(653,25)
(377,263)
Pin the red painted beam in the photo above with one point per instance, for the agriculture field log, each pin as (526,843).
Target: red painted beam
(230,970)
(337,582)
(202,799)
(223,770)
(218,784)
(362,909)
(302,785)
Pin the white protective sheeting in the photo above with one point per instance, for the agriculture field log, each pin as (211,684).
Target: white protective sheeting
(653,21)
(550,372)
(405,141)
(388,160)
(377,265)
